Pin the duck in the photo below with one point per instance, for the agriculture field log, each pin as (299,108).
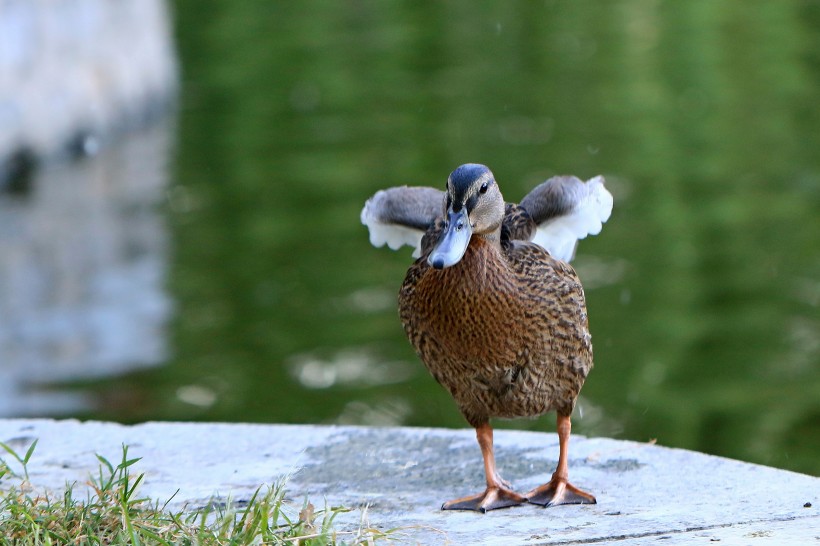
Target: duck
(493,308)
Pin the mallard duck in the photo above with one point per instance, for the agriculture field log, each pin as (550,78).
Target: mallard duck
(493,308)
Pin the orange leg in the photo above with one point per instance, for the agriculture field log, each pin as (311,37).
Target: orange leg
(558,490)
(498,493)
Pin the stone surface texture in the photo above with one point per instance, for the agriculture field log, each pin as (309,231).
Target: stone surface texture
(647,494)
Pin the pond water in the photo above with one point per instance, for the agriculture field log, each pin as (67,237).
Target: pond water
(271,306)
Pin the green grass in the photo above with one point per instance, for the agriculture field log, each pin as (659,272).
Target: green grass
(113,513)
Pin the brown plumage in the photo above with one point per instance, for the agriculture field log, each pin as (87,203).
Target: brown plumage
(498,321)
(522,346)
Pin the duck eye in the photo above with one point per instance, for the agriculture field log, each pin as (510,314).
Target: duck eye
(483,188)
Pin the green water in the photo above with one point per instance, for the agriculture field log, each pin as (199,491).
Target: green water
(703,289)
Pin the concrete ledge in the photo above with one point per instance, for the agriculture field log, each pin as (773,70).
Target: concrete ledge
(646,493)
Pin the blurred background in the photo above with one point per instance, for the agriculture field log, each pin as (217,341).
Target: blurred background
(192,250)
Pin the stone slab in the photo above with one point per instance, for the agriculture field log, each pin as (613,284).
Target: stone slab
(647,494)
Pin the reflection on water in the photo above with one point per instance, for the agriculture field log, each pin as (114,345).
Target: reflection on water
(702,288)
(83,260)
(345,368)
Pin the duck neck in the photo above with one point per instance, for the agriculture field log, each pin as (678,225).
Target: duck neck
(479,265)
(491,237)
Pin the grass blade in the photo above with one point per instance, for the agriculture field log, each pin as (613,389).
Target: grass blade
(113,514)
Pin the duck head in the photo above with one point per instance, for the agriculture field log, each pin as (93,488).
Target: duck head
(473,206)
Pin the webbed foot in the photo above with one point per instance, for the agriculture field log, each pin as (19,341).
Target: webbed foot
(559,491)
(491,499)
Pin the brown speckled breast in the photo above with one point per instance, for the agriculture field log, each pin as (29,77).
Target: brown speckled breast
(505,330)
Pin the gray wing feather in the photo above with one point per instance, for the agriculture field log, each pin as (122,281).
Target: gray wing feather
(567,209)
(400,216)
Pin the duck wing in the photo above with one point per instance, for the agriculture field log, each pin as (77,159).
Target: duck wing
(566,209)
(402,215)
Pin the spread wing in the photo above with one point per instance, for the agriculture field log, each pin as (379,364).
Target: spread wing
(401,216)
(566,210)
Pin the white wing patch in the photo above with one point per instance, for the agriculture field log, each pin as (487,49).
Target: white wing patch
(560,235)
(393,235)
